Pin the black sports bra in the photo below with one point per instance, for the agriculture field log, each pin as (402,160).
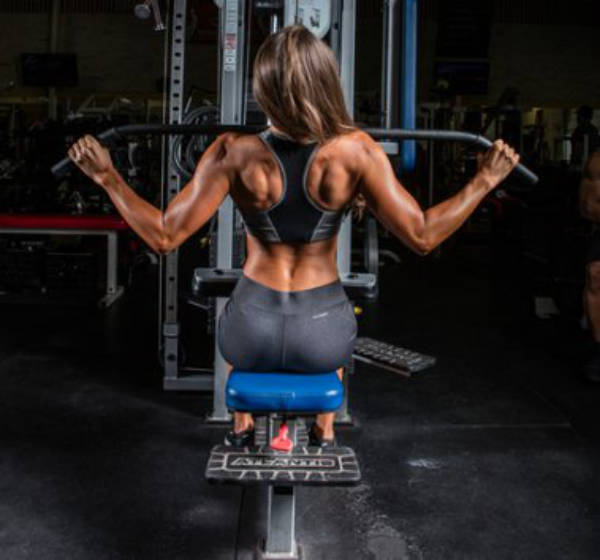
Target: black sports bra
(295,218)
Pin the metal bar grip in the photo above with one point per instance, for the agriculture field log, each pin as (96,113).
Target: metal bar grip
(120,132)
(446,136)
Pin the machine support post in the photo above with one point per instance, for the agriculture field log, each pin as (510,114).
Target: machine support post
(346,53)
(345,50)
(280,541)
(171,261)
(232,80)
(408,75)
(281,524)
(111,263)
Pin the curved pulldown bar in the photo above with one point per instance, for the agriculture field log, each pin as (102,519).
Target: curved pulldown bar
(119,133)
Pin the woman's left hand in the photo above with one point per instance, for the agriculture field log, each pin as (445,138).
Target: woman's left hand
(92,158)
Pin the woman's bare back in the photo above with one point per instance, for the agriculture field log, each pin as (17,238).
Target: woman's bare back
(331,184)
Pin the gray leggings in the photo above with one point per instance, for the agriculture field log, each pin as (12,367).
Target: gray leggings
(311,331)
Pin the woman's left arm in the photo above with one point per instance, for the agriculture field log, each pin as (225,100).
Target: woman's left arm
(187,212)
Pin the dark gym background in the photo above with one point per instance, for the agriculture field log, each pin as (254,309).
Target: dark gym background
(493,453)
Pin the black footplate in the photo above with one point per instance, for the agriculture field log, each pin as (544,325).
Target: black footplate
(304,465)
(390,357)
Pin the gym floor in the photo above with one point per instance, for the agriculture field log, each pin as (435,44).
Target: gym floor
(492,454)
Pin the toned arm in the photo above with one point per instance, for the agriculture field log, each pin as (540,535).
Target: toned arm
(423,230)
(187,212)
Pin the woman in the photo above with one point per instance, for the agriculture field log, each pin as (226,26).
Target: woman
(292,184)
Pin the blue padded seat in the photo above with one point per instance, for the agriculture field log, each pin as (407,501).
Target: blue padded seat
(287,392)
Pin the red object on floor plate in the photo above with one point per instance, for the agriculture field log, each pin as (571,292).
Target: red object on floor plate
(282,442)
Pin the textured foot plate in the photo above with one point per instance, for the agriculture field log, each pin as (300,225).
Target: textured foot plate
(304,465)
(390,357)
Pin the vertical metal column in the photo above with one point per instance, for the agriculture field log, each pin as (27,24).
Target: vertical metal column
(346,54)
(274,24)
(281,511)
(232,83)
(281,523)
(387,76)
(336,24)
(176,75)
(408,101)
(346,57)
(111,263)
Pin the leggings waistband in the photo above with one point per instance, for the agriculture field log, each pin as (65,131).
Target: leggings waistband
(250,291)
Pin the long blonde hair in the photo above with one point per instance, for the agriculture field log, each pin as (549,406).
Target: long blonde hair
(296,83)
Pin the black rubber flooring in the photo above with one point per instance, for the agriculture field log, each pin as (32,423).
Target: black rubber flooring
(492,454)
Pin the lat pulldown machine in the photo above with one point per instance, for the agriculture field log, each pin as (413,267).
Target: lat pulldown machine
(281,458)
(334,20)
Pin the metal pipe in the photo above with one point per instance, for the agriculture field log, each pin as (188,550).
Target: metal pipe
(386,63)
(347,52)
(343,34)
(164,151)
(389,62)
(170,267)
(232,104)
(274,27)
(120,132)
(408,105)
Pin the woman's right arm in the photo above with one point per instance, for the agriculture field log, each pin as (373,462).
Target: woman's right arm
(187,212)
(398,211)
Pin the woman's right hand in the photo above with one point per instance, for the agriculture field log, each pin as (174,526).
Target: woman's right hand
(496,164)
(92,158)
